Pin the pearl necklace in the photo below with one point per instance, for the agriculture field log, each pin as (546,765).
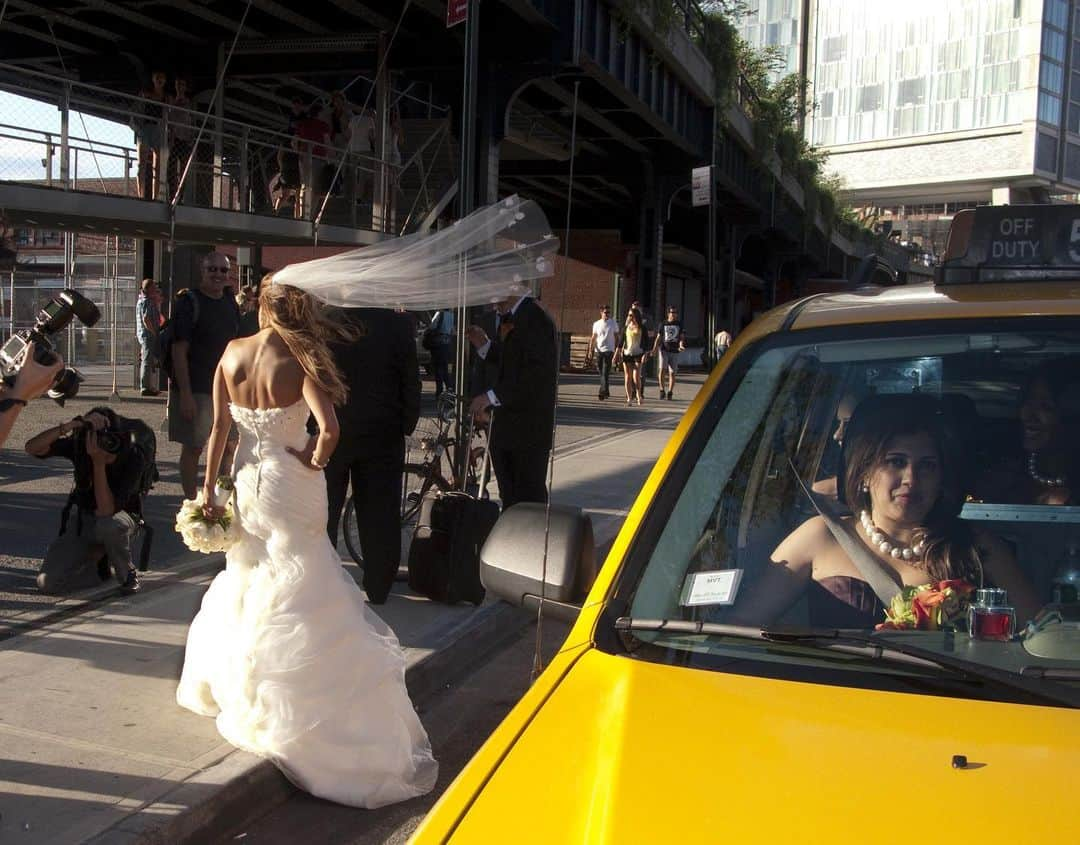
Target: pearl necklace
(1033,471)
(894,550)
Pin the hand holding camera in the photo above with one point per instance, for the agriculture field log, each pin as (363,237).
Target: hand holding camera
(35,378)
(34,347)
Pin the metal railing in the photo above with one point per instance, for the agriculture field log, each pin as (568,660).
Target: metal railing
(234,165)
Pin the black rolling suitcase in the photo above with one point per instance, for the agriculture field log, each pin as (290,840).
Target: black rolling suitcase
(444,556)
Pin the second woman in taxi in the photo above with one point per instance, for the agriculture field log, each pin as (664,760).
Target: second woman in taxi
(899,477)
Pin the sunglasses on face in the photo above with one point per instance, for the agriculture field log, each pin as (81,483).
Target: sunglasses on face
(216,269)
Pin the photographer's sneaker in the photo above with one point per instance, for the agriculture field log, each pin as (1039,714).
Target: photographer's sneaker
(131,584)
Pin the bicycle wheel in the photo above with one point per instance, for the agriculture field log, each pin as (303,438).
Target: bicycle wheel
(416,480)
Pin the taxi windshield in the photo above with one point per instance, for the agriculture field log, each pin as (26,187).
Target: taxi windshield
(921,489)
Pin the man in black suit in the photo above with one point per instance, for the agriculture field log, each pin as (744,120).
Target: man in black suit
(522,398)
(383,407)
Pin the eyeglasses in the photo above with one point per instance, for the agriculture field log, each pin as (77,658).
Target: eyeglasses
(212,269)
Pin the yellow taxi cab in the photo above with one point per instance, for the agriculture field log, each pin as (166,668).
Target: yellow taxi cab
(844,605)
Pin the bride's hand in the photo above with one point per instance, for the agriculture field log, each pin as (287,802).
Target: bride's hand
(210,511)
(304,455)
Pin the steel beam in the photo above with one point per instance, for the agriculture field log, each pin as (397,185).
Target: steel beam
(60,17)
(129,14)
(210,16)
(555,90)
(283,13)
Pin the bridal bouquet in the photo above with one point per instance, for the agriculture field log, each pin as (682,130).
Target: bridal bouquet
(202,534)
(927,607)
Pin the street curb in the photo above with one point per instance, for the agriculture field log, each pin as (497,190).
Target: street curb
(243,786)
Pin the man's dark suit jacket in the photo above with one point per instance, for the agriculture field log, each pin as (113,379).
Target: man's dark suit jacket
(526,380)
(383,376)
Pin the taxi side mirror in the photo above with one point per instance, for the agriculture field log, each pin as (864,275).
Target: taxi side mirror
(512,560)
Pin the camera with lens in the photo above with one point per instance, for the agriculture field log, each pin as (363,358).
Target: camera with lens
(52,319)
(108,439)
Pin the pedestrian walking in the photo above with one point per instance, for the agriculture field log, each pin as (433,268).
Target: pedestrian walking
(383,377)
(603,343)
(721,342)
(439,339)
(204,321)
(147,331)
(669,343)
(632,355)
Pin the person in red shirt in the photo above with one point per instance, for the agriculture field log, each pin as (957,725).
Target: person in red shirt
(312,136)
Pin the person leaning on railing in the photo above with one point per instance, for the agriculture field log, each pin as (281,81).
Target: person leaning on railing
(30,382)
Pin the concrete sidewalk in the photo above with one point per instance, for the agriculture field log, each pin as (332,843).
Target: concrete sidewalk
(94,747)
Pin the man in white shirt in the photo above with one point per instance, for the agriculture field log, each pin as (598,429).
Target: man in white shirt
(603,342)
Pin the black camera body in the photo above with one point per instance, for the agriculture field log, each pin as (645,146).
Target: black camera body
(52,319)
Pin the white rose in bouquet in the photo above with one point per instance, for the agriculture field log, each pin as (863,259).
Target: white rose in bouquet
(202,534)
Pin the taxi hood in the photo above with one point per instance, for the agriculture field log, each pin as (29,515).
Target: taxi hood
(629,751)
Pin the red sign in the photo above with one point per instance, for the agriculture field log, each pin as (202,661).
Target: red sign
(456,11)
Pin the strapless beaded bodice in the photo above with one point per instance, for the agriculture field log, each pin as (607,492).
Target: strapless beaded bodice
(273,426)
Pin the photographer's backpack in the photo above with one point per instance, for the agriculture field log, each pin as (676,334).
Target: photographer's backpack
(144,444)
(168,331)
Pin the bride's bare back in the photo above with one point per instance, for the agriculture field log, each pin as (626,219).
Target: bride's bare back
(261,372)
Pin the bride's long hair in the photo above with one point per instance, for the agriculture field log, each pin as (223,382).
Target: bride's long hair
(302,322)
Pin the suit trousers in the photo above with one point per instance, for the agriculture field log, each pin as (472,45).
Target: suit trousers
(375,470)
(521,473)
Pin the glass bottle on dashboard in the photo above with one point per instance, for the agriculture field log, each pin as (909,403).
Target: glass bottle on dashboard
(990,616)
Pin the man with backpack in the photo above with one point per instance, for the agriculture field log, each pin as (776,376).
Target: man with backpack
(202,324)
(114,466)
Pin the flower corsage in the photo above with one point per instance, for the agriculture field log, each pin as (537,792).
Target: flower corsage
(927,607)
(203,534)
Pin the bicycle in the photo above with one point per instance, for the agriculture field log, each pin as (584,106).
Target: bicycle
(429,449)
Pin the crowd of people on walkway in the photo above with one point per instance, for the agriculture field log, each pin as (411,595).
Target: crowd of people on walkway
(327,145)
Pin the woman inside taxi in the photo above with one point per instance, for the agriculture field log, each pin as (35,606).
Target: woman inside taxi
(899,476)
(1048,470)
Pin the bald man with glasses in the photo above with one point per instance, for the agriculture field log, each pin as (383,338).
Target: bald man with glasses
(205,320)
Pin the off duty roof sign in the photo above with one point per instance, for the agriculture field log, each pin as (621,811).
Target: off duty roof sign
(1011,243)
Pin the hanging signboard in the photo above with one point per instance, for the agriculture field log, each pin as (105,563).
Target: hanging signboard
(700,185)
(456,12)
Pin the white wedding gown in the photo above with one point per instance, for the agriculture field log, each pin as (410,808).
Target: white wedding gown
(286,653)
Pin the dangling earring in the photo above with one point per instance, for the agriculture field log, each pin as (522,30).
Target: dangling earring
(864,487)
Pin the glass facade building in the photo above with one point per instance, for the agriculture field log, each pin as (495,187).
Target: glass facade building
(890,76)
(777,24)
(925,66)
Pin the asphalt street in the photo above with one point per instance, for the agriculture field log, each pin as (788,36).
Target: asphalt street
(33,492)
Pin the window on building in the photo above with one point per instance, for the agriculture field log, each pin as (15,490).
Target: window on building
(835,48)
(1054,44)
(1056,13)
(1072,162)
(911,91)
(1072,122)
(1049,108)
(1046,153)
(1051,76)
(871,97)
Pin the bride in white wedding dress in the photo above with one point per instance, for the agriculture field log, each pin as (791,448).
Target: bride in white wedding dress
(285,652)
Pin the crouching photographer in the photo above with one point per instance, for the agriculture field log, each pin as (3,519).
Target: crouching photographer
(114,466)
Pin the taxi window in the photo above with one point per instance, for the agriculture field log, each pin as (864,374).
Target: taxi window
(946,463)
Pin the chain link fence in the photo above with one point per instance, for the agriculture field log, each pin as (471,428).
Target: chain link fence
(103,270)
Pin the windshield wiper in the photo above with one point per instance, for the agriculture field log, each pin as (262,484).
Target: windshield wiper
(865,645)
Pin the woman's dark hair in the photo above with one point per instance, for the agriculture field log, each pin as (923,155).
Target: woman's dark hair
(633,312)
(877,422)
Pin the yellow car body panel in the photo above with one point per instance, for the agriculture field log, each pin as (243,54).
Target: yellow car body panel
(607,748)
(631,751)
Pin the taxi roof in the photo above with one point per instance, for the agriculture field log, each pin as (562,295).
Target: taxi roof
(929,302)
